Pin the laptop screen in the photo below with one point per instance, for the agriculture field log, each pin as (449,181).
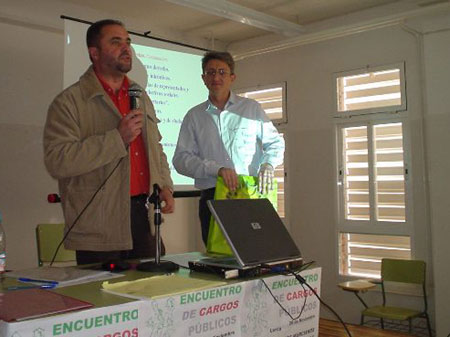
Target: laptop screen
(254,231)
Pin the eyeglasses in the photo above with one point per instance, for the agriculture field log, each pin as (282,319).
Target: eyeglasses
(213,72)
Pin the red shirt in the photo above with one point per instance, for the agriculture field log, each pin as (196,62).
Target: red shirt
(140,173)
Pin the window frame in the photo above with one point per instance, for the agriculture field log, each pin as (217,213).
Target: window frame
(373,227)
(370,118)
(369,69)
(282,128)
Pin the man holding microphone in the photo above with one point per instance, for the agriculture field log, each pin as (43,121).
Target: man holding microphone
(105,155)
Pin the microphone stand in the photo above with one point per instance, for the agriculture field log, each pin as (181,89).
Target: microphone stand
(157,265)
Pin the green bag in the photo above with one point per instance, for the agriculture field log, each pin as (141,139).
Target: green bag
(247,189)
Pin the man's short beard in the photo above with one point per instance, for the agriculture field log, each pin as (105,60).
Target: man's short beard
(124,68)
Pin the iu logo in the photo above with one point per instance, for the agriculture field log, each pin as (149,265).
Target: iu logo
(255,225)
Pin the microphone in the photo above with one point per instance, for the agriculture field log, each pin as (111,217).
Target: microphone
(134,92)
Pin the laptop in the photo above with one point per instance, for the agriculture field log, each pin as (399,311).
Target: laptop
(255,233)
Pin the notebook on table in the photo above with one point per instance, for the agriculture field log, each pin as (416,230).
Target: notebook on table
(17,305)
(255,233)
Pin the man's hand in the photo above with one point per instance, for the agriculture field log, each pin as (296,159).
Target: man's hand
(169,202)
(130,126)
(265,183)
(229,177)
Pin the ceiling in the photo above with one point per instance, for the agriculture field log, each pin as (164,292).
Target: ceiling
(168,16)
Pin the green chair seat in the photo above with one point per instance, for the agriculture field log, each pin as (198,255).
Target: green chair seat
(395,313)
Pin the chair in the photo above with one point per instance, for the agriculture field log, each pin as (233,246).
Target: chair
(404,271)
(48,237)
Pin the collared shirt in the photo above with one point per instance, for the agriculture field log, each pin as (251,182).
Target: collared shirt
(139,171)
(241,136)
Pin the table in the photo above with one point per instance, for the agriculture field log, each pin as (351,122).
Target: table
(357,286)
(243,307)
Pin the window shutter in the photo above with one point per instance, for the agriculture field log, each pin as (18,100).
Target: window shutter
(271,101)
(372,90)
(356,173)
(389,172)
(373,177)
(361,254)
(387,165)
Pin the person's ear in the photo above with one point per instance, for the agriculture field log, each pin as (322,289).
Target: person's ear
(93,53)
(233,77)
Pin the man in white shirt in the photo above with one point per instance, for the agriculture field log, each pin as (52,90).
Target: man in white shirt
(225,136)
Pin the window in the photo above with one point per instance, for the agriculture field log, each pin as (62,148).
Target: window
(387,165)
(372,173)
(371,90)
(372,189)
(272,99)
(361,254)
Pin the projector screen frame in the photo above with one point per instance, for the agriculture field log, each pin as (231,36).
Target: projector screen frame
(140,34)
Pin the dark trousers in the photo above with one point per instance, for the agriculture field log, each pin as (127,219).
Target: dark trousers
(144,244)
(204,213)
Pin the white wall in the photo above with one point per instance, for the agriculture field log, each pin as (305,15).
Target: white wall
(437,126)
(31,75)
(308,70)
(31,58)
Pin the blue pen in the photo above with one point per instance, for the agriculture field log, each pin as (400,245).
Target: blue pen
(24,279)
(44,286)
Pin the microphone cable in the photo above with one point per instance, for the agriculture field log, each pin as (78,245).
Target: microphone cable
(84,209)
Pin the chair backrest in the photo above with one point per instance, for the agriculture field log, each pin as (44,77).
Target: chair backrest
(405,271)
(48,237)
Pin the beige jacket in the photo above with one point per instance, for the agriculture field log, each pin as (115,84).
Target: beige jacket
(82,146)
